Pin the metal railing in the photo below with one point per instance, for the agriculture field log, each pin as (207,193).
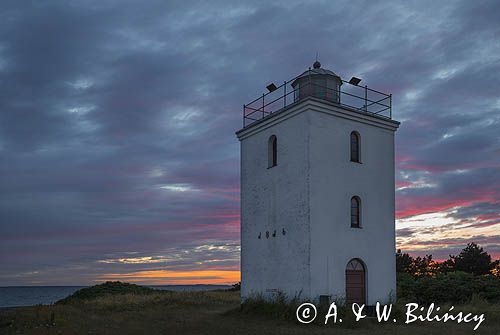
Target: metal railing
(358,98)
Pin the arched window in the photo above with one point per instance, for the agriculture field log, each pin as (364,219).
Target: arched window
(355,212)
(355,147)
(272,152)
(355,265)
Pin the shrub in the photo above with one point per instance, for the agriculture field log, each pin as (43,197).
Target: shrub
(453,287)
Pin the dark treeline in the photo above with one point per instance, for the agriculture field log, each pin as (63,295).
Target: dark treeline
(472,259)
(470,275)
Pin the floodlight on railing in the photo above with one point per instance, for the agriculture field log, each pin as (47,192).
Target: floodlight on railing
(354,81)
(271,87)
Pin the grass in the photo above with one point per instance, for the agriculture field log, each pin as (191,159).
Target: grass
(105,290)
(131,310)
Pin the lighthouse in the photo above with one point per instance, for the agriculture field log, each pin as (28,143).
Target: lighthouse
(317,191)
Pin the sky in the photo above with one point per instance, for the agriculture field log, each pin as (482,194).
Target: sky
(118,158)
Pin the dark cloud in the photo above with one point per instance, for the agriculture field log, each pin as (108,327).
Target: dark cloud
(117,119)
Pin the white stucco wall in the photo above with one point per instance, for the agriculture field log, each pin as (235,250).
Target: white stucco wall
(308,194)
(334,181)
(273,199)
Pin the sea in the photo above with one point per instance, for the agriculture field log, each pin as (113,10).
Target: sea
(18,296)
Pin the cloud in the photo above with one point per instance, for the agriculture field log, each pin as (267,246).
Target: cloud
(117,122)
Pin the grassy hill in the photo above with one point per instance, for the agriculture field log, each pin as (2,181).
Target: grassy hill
(120,308)
(104,290)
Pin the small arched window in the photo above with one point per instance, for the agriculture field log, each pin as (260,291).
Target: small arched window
(272,151)
(355,147)
(355,212)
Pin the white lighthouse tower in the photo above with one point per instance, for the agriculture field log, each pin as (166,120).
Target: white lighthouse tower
(317,191)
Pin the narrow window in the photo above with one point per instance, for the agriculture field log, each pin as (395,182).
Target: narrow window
(354,147)
(355,212)
(272,151)
(320,88)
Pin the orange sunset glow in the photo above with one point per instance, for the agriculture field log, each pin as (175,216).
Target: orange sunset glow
(165,277)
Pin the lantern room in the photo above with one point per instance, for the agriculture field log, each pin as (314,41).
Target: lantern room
(319,83)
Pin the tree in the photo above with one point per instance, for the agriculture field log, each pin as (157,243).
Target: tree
(403,262)
(446,266)
(472,259)
(417,267)
(424,266)
(495,268)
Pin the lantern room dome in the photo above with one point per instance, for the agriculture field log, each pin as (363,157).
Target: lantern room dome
(315,72)
(318,82)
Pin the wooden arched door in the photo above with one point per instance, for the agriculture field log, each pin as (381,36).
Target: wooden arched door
(355,282)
